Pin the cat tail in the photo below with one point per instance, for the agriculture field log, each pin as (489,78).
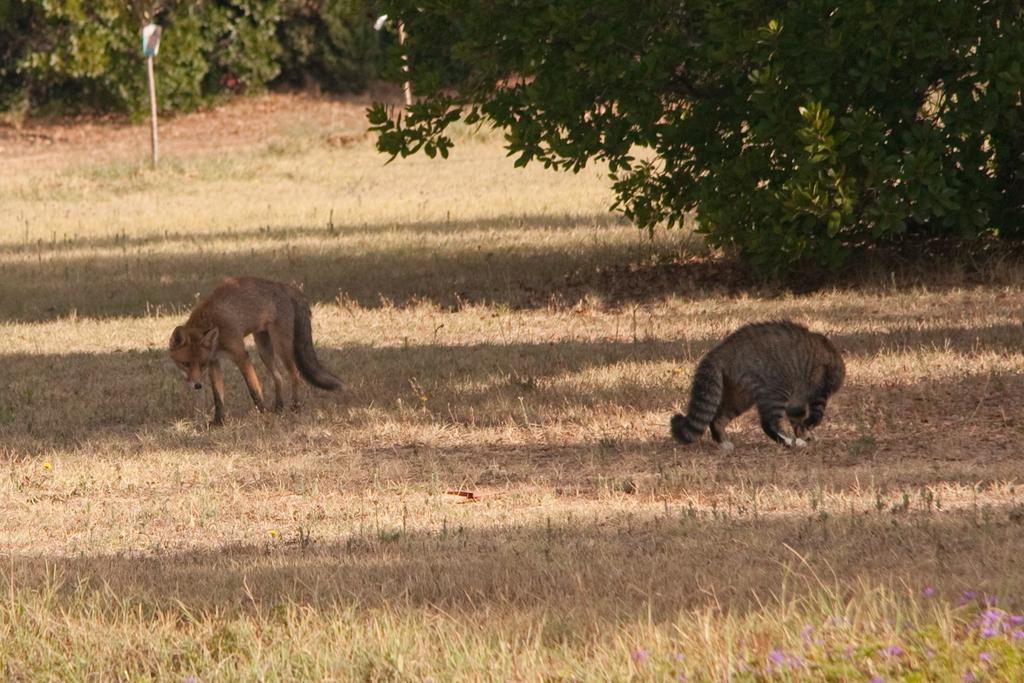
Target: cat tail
(705,398)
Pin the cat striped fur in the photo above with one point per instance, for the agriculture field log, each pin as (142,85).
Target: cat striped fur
(782,368)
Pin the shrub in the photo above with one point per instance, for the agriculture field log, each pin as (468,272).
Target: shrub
(799,132)
(67,55)
(331,44)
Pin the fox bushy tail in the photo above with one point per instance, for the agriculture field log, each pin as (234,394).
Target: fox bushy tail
(705,397)
(305,356)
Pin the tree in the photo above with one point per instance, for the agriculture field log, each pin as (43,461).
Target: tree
(799,132)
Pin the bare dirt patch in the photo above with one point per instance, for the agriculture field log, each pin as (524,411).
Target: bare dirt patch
(240,122)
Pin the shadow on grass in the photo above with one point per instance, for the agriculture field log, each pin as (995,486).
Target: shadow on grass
(521,262)
(126,242)
(64,401)
(72,398)
(590,574)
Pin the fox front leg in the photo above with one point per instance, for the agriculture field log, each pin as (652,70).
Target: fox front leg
(252,381)
(217,387)
(240,356)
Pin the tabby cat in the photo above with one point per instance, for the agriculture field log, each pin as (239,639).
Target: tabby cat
(781,367)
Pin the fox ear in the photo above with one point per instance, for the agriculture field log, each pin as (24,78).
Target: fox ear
(178,337)
(210,338)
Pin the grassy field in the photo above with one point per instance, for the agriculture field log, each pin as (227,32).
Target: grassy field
(500,334)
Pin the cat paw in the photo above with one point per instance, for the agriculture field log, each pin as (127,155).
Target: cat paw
(799,443)
(726,446)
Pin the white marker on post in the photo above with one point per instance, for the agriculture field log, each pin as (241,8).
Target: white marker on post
(150,48)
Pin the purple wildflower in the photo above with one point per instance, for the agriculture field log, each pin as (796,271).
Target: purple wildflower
(1015,619)
(993,622)
(989,600)
(928,592)
(640,655)
(1017,635)
(968,596)
(807,633)
(893,651)
(986,657)
(876,679)
(780,659)
(969,677)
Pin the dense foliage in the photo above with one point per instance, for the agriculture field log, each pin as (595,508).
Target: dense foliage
(798,132)
(68,54)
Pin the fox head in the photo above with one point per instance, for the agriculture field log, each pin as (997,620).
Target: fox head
(192,350)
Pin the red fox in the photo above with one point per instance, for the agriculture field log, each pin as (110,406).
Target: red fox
(277,316)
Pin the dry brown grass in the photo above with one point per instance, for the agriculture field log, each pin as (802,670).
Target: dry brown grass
(499,333)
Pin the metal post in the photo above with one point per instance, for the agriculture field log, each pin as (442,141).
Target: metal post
(406,85)
(152,108)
